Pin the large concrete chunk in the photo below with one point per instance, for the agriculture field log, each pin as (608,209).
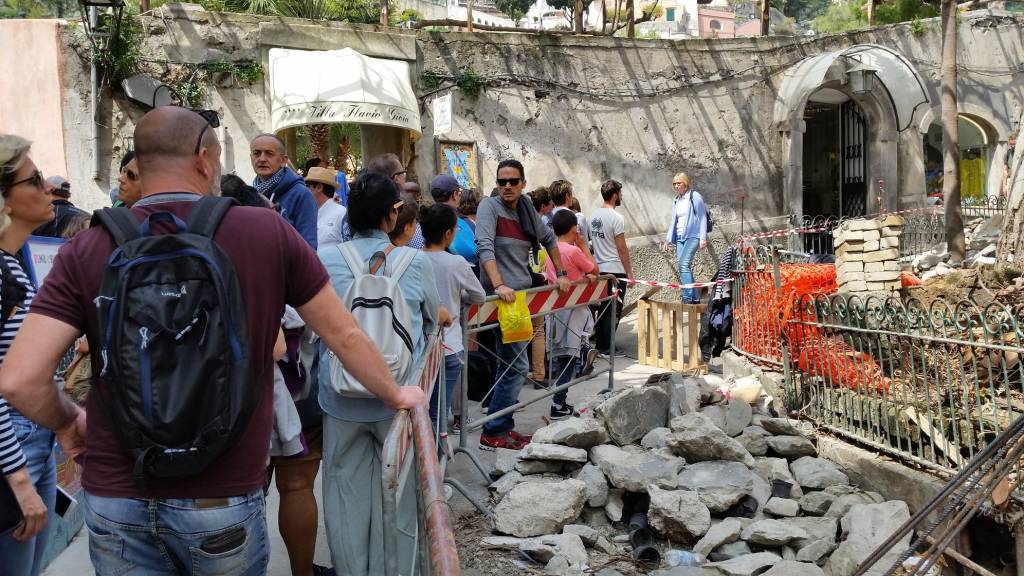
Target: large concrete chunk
(817,473)
(720,484)
(816,503)
(724,532)
(772,469)
(632,414)
(657,438)
(772,533)
(587,534)
(781,426)
(737,416)
(582,433)
(634,472)
(697,439)
(753,439)
(597,486)
(553,453)
(844,502)
(684,395)
(748,564)
(794,568)
(866,526)
(678,514)
(816,528)
(791,446)
(536,508)
(783,507)
(543,549)
(816,552)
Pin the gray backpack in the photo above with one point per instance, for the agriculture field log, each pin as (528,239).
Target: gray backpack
(377,303)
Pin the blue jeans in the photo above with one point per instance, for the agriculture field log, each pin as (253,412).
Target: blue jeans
(509,377)
(565,368)
(177,535)
(452,370)
(685,250)
(26,558)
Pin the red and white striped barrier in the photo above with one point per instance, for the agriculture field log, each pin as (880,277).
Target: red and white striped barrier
(679,286)
(934,210)
(548,300)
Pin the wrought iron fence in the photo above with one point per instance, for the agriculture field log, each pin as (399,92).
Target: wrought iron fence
(928,382)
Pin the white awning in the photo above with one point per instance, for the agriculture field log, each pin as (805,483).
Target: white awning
(899,80)
(337,86)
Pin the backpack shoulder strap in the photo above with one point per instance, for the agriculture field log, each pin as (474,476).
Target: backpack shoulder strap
(402,262)
(207,214)
(351,256)
(120,222)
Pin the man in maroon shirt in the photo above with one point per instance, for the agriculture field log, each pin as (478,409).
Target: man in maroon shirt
(213,522)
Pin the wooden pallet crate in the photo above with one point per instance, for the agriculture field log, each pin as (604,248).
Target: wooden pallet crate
(668,334)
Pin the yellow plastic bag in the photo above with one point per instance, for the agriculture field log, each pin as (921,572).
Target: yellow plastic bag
(514,319)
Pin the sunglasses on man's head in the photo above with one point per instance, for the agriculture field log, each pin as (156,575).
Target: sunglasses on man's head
(509,181)
(212,121)
(36,179)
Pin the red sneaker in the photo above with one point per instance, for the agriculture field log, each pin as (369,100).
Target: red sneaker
(503,440)
(525,439)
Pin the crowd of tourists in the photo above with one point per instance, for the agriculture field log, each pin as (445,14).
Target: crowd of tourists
(237,334)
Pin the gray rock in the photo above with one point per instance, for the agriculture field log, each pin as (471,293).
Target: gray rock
(787,553)
(528,467)
(544,548)
(536,508)
(501,542)
(866,526)
(657,438)
(777,469)
(597,486)
(843,503)
(560,566)
(634,472)
(734,549)
(794,568)
(686,571)
(684,395)
(505,460)
(737,417)
(606,546)
(678,514)
(816,503)
(816,552)
(772,533)
(715,413)
(587,534)
(782,426)
(720,484)
(791,446)
(748,564)
(724,532)
(635,412)
(816,528)
(762,492)
(753,439)
(782,507)
(552,453)
(695,438)
(582,433)
(502,486)
(595,517)
(613,508)
(817,473)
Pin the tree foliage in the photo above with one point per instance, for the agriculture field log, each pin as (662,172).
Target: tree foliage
(358,11)
(515,9)
(39,9)
(648,11)
(851,15)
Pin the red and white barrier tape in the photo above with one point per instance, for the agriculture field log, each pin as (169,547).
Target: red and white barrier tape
(679,286)
(934,210)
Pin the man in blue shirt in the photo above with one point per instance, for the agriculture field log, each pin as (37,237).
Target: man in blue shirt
(285,188)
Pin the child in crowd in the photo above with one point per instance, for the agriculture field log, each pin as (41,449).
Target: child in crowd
(569,326)
(456,285)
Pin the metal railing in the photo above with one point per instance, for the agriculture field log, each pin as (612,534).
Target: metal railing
(411,469)
(930,383)
(926,229)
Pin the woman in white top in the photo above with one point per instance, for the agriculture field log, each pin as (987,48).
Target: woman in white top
(688,231)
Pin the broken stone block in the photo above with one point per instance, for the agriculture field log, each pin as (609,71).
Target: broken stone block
(787,553)
(546,547)
(536,509)
(781,426)
(633,413)
(587,534)
(724,532)
(753,439)
(715,413)
(584,433)
(504,461)
(552,453)
(889,242)
(816,552)
(817,473)
(678,514)
(871,245)
(880,255)
(894,220)
(782,507)
(597,486)
(772,533)
(734,549)
(720,484)
(560,566)
(748,564)
(685,393)
(791,446)
(607,547)
(795,568)
(817,528)
(737,417)
(842,504)
(866,526)
(854,287)
(816,503)
(871,236)
(613,508)
(657,438)
(697,439)
(595,517)
(634,472)
(528,467)
(502,486)
(777,469)
(883,276)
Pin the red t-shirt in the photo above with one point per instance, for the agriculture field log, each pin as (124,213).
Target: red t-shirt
(274,265)
(574,261)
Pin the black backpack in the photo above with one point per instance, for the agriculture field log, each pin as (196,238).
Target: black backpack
(173,348)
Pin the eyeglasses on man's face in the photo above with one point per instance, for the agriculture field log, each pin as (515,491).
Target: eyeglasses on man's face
(36,179)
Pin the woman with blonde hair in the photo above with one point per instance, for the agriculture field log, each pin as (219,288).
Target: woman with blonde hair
(26,449)
(688,231)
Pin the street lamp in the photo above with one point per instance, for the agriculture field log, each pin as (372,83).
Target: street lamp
(862,79)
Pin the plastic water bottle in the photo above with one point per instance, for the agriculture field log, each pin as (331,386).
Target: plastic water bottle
(684,558)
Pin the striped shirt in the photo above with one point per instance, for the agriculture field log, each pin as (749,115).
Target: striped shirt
(11,457)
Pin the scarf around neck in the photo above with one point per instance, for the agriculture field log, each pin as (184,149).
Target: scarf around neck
(265,186)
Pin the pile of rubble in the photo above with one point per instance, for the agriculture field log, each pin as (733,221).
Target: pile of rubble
(981,236)
(741,488)
(867,254)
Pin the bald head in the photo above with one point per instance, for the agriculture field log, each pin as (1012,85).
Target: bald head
(168,149)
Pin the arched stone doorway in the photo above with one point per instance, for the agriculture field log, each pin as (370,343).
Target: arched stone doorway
(983,149)
(849,164)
